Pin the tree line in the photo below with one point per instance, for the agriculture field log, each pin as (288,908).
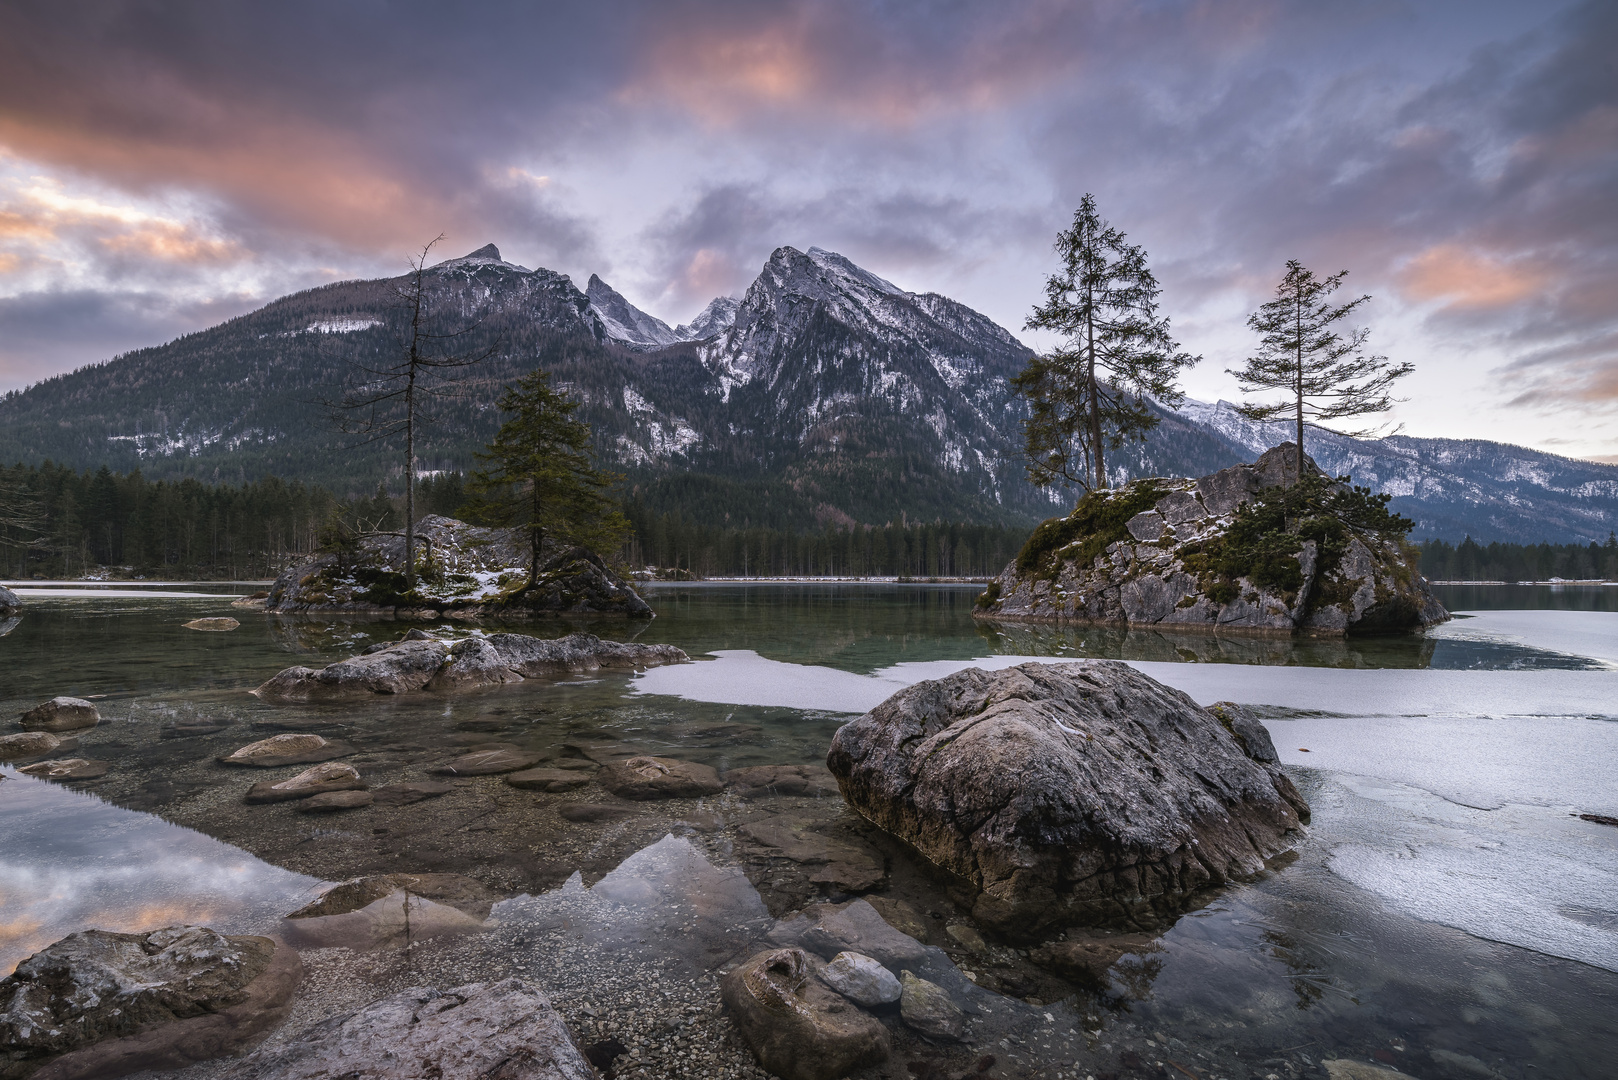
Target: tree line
(937,549)
(1472,561)
(56,522)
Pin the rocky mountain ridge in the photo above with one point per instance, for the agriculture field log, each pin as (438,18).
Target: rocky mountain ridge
(825,394)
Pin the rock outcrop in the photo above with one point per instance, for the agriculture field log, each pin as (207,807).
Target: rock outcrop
(9,604)
(327,777)
(1078,793)
(474,1032)
(422,662)
(463,571)
(100,1004)
(796,1025)
(1248,548)
(60,714)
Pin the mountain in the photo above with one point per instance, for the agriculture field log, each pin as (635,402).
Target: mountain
(825,394)
(633,328)
(1450,488)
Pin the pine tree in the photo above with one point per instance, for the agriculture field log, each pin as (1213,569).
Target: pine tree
(1090,392)
(539,474)
(1325,372)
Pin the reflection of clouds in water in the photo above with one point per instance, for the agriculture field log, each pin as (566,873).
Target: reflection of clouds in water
(74,862)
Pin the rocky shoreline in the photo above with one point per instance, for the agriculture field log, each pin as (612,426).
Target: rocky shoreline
(736,922)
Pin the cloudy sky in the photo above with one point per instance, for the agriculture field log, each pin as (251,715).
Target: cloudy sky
(165,165)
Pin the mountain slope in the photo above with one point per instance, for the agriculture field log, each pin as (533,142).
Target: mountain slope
(1451,488)
(825,394)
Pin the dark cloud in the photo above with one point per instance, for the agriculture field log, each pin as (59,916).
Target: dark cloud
(1459,157)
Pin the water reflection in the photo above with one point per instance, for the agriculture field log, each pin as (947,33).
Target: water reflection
(72,861)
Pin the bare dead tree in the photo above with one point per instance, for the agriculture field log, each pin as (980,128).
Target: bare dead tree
(391,399)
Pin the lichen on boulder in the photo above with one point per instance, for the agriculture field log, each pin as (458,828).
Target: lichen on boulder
(463,571)
(1255,548)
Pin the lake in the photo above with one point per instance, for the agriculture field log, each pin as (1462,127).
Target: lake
(1447,912)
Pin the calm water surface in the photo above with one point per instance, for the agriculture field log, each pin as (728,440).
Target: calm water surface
(1447,913)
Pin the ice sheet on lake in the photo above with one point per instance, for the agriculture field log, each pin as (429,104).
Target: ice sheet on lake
(742,677)
(1476,777)
(1591,634)
(1526,876)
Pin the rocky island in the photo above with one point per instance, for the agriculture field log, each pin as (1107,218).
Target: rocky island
(1252,548)
(464,572)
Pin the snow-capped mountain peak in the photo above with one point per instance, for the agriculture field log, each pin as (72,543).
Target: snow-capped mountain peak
(716,318)
(487,255)
(626,323)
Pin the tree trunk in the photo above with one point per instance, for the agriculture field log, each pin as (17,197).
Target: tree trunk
(410,483)
(1298,330)
(1095,396)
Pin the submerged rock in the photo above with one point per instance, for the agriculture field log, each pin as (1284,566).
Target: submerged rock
(858,927)
(844,864)
(422,662)
(332,801)
(27,744)
(214,624)
(60,714)
(331,776)
(797,1027)
(782,780)
(454,890)
(646,777)
(66,769)
(926,1007)
(405,794)
(1085,793)
(488,763)
(1221,553)
(552,780)
(474,1032)
(100,1004)
(463,572)
(299,748)
(9,604)
(861,980)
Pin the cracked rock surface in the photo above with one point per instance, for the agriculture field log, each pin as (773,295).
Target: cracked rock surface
(1082,792)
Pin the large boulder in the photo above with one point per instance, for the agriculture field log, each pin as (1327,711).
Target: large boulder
(474,1032)
(462,571)
(101,1004)
(60,714)
(797,1026)
(9,604)
(1220,553)
(420,661)
(1066,793)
